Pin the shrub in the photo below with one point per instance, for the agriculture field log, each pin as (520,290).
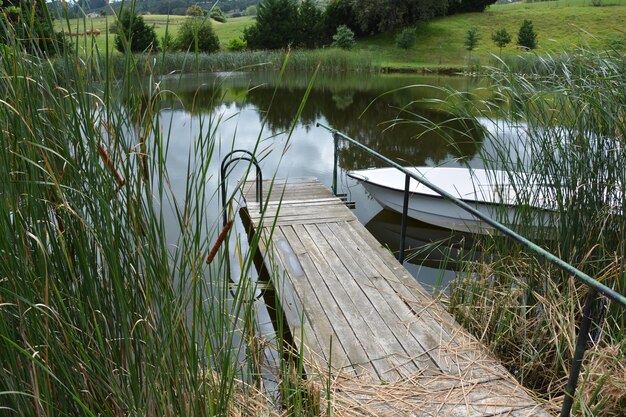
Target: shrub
(406,39)
(133,34)
(526,37)
(344,38)
(196,10)
(217,14)
(236,44)
(197,35)
(501,38)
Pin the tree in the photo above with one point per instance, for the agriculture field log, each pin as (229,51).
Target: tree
(133,34)
(337,13)
(526,37)
(501,38)
(217,14)
(344,38)
(309,24)
(195,10)
(406,39)
(276,25)
(197,34)
(384,15)
(472,37)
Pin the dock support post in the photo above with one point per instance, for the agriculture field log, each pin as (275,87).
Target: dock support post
(405,211)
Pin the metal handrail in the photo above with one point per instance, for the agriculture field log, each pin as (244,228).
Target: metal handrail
(595,286)
(230,159)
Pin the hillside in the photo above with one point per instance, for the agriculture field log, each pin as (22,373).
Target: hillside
(560,25)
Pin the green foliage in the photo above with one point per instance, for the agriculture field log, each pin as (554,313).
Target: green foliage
(276,25)
(337,13)
(31,25)
(526,37)
(501,38)
(167,42)
(133,34)
(472,37)
(236,44)
(344,38)
(217,14)
(310,24)
(375,16)
(250,11)
(406,39)
(196,10)
(197,34)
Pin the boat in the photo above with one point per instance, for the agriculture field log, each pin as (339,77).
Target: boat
(488,191)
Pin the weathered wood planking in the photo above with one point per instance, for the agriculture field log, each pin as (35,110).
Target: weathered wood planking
(361,315)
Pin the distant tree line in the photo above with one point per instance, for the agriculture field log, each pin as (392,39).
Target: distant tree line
(280,23)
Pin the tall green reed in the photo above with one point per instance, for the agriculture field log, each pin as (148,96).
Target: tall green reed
(559,135)
(101,311)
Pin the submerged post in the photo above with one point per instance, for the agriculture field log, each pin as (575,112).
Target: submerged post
(405,214)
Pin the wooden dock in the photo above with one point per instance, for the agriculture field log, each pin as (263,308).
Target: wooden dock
(387,346)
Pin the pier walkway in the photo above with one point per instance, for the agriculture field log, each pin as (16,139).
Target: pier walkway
(362,319)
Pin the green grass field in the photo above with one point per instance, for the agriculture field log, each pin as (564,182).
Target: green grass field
(560,25)
(225,31)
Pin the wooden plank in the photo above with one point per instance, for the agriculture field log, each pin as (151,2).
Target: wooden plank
(448,344)
(315,285)
(301,327)
(321,326)
(393,311)
(335,278)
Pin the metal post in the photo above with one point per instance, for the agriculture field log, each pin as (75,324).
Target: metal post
(579,353)
(336,162)
(405,211)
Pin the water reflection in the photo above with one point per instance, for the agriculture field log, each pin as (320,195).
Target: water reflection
(256,112)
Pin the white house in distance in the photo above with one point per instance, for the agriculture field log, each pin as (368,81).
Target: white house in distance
(92,15)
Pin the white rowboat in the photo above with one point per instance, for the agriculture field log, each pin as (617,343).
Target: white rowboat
(489,192)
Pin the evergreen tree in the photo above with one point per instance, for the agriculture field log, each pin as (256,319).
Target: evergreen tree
(501,38)
(309,24)
(133,33)
(344,38)
(406,39)
(276,25)
(197,34)
(472,37)
(526,37)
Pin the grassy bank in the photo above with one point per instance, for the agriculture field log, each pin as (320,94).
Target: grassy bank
(561,25)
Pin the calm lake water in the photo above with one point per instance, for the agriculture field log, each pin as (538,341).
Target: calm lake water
(256,111)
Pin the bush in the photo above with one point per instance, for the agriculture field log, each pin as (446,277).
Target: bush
(344,38)
(526,37)
(217,14)
(236,44)
(406,39)
(195,31)
(196,10)
(133,33)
